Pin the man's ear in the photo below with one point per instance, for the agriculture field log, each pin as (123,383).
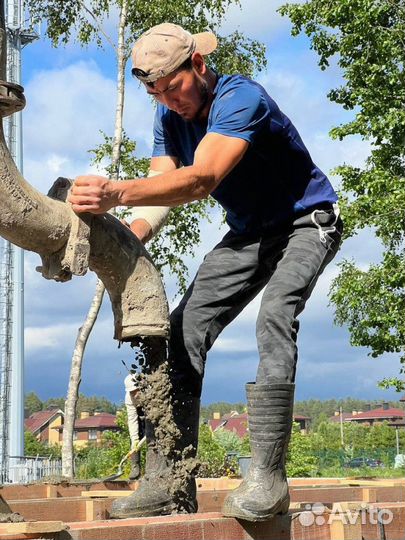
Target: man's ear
(198,63)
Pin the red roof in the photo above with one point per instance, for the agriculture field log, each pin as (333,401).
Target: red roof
(237,424)
(39,419)
(100,421)
(215,423)
(378,414)
(230,415)
(336,417)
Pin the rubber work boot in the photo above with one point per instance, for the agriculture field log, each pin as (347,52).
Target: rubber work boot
(135,466)
(264,491)
(156,494)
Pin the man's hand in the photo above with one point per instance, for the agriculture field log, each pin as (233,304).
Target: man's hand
(94,194)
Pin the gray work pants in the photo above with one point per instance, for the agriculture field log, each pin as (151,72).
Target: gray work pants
(286,264)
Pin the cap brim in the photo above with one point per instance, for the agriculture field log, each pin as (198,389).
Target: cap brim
(206,42)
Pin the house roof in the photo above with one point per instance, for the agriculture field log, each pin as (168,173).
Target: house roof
(336,417)
(237,424)
(301,417)
(378,414)
(98,421)
(101,421)
(39,419)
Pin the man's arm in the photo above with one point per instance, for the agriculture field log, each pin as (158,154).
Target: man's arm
(146,221)
(215,157)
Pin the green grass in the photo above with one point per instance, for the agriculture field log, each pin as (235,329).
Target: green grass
(363,472)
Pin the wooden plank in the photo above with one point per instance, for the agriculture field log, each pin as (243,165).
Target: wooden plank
(97,493)
(51,491)
(369,494)
(348,506)
(341,530)
(89,510)
(370,483)
(32,527)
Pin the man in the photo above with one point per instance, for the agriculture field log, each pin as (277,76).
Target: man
(224,136)
(135,423)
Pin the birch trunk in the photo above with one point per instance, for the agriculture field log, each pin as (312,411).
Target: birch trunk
(74,382)
(85,330)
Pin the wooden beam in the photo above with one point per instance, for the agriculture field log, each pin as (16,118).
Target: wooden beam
(31,527)
(97,493)
(341,530)
(369,494)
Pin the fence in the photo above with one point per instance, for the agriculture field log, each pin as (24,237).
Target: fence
(331,458)
(25,469)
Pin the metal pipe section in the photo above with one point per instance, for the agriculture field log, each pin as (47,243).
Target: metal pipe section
(14,142)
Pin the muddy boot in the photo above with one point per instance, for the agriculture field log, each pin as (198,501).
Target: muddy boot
(264,491)
(160,492)
(135,466)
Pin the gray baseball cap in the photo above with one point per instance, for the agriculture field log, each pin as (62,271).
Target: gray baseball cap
(163,48)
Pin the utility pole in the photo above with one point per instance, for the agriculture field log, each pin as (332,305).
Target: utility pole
(342,440)
(12,279)
(397,438)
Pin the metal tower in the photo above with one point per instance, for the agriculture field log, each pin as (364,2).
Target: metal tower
(12,272)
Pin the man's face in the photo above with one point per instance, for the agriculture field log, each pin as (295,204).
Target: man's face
(184,92)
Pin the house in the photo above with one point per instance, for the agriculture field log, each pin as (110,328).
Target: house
(337,417)
(235,422)
(90,428)
(44,424)
(385,413)
(303,422)
(238,423)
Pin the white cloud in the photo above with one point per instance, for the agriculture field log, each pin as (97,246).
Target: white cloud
(356,376)
(51,337)
(256,19)
(66,110)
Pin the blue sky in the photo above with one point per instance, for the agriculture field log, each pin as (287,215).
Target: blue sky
(71,97)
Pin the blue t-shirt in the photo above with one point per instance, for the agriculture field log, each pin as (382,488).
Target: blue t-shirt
(275,181)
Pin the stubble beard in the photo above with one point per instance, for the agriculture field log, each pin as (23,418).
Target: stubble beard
(204,96)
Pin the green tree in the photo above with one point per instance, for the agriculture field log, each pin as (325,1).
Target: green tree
(33,447)
(32,403)
(211,454)
(95,403)
(54,403)
(366,38)
(300,456)
(228,440)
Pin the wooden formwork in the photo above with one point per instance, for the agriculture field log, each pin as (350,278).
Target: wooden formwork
(320,510)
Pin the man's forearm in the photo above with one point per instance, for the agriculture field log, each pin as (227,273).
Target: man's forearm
(214,158)
(168,189)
